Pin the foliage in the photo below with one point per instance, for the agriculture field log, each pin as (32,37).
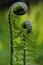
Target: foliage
(34,41)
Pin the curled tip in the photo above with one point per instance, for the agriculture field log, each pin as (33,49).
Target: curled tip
(28,26)
(19,8)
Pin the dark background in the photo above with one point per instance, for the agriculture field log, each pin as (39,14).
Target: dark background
(8,3)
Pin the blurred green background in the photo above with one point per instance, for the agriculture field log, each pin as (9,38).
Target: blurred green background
(4,38)
(36,16)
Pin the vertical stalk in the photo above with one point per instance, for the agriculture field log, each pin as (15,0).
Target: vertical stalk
(24,55)
(11,39)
